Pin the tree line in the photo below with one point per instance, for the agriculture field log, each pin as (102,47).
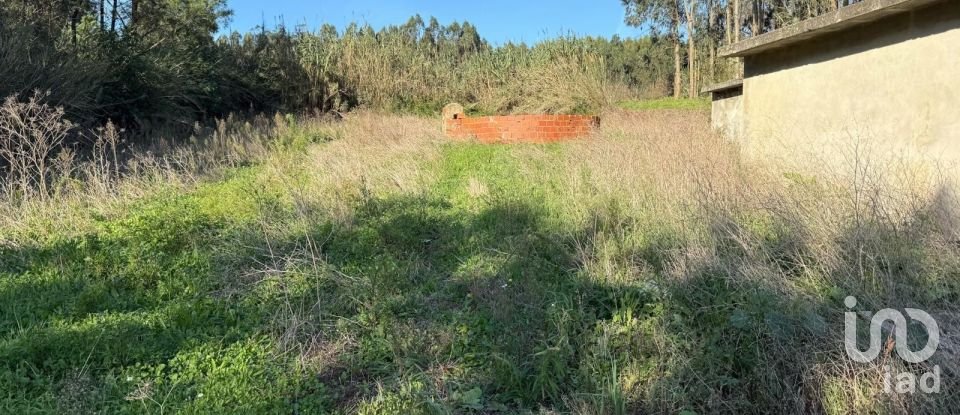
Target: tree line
(149,63)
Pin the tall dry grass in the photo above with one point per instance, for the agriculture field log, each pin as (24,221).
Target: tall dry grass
(882,228)
(877,228)
(51,187)
(394,72)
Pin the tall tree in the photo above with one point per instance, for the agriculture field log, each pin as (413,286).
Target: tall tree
(691,9)
(113,16)
(736,26)
(737,22)
(660,13)
(134,12)
(712,38)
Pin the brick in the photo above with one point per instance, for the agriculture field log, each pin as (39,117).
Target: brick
(521,128)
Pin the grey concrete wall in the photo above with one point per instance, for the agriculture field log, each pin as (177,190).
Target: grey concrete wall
(726,114)
(892,86)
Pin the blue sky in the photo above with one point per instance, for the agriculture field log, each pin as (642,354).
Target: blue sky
(497,20)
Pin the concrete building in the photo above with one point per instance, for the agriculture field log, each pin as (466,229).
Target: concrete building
(883,73)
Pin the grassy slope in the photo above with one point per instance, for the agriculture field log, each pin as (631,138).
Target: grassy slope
(666,103)
(493,287)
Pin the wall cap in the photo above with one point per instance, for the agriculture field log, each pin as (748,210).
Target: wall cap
(843,18)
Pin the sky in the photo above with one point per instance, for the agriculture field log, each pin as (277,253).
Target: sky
(498,21)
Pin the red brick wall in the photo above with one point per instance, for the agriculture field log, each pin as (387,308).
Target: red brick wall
(521,128)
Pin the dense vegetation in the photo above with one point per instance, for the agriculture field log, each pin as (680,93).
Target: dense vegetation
(161,65)
(146,64)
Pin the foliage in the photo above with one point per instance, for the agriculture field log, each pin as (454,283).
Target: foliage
(156,65)
(419,68)
(149,65)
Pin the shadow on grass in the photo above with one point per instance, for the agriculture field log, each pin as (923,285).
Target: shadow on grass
(454,308)
(493,299)
(497,294)
(130,307)
(766,313)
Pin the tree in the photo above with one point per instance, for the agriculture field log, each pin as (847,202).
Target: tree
(691,9)
(660,13)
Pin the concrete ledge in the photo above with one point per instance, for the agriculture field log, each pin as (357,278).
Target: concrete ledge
(843,18)
(723,86)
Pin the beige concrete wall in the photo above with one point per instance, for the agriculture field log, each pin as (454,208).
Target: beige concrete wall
(889,87)
(726,114)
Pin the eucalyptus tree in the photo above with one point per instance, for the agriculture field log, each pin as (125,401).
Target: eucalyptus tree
(659,15)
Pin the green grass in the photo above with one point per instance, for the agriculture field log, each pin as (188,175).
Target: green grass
(473,295)
(89,320)
(92,322)
(666,103)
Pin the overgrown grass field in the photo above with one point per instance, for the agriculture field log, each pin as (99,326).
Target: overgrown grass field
(370,265)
